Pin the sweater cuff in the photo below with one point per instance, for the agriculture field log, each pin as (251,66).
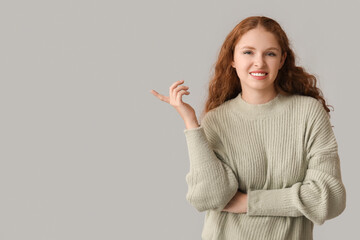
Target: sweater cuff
(274,202)
(200,152)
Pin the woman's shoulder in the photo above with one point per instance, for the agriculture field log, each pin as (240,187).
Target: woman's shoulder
(296,103)
(216,114)
(309,108)
(307,102)
(304,98)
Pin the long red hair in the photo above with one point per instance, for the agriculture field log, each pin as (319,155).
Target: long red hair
(291,79)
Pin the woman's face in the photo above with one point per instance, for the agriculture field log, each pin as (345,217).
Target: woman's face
(257,50)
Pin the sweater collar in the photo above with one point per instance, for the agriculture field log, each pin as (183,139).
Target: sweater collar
(269,108)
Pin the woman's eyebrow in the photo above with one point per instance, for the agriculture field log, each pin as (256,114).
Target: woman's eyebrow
(270,48)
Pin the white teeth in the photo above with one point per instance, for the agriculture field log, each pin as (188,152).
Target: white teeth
(258,74)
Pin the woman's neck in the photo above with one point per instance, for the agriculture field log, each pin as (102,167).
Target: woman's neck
(258,97)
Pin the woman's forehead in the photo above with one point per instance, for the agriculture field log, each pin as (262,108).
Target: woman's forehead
(258,38)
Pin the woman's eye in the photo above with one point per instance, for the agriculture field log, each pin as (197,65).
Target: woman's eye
(269,54)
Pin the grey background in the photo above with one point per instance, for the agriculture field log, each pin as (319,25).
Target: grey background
(88,153)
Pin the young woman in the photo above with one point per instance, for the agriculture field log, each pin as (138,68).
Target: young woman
(264,162)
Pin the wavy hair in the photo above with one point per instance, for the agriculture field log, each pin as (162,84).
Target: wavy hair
(291,79)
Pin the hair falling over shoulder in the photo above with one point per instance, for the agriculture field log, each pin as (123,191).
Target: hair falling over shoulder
(291,79)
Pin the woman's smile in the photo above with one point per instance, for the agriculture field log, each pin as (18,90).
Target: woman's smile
(259,76)
(257,56)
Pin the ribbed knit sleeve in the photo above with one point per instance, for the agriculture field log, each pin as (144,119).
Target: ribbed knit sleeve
(321,195)
(211,182)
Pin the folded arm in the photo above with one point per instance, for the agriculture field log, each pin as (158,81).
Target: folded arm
(321,195)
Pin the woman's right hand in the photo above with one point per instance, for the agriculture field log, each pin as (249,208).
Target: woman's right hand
(176,91)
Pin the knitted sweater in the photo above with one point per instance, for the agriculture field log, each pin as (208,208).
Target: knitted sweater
(282,153)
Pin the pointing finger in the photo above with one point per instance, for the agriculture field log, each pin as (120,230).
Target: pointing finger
(159,96)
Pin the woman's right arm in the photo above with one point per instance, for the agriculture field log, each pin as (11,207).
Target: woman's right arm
(186,112)
(211,182)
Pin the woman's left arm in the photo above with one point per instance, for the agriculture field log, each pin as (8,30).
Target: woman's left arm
(238,204)
(321,195)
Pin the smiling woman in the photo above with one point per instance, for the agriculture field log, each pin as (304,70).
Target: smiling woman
(257,56)
(264,161)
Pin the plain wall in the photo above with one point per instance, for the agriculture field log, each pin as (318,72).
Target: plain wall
(87,152)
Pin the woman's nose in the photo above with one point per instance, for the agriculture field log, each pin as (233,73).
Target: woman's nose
(259,61)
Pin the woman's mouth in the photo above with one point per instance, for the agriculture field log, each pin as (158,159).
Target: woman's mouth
(259,76)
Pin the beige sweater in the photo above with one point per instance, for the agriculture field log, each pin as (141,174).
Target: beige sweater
(282,153)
